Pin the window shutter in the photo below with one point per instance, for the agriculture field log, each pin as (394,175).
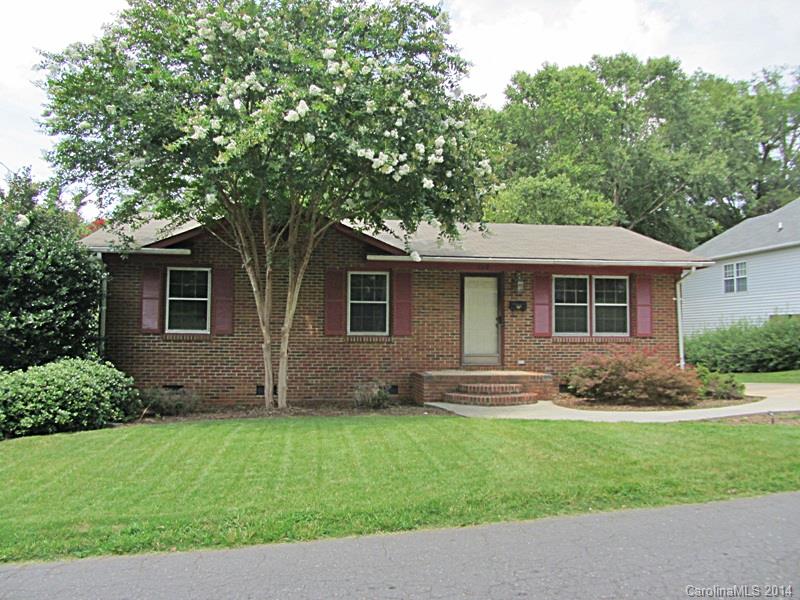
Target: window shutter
(222,301)
(541,306)
(401,303)
(644,306)
(152,299)
(335,302)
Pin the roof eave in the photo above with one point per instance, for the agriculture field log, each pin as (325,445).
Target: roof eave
(541,261)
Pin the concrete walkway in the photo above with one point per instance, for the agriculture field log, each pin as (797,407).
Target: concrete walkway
(778,397)
(663,553)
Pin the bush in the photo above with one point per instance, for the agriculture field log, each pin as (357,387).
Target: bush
(744,348)
(168,402)
(720,386)
(49,283)
(625,377)
(373,394)
(68,395)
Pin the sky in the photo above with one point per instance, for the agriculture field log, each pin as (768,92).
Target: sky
(732,38)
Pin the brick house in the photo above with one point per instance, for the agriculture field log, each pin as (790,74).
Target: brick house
(496,317)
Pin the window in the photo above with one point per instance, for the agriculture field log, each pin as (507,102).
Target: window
(571,305)
(368,303)
(610,305)
(735,277)
(188,300)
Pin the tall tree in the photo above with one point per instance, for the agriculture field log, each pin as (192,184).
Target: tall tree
(268,122)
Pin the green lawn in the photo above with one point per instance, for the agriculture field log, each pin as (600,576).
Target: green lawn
(777,377)
(229,483)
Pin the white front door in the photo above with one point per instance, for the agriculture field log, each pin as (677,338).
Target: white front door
(480,321)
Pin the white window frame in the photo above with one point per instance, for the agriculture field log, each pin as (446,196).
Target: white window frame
(386,302)
(735,277)
(207,300)
(595,304)
(587,305)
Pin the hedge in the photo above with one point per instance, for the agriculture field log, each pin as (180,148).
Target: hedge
(747,348)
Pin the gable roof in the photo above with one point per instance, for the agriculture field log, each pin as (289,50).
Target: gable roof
(774,230)
(501,243)
(546,244)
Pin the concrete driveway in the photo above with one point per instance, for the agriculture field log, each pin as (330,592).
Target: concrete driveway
(659,553)
(778,397)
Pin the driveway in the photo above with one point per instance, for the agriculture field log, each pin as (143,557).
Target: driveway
(659,553)
(778,397)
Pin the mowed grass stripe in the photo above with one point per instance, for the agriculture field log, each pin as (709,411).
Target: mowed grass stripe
(227,483)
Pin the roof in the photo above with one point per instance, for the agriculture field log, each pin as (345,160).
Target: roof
(149,232)
(513,242)
(779,228)
(502,242)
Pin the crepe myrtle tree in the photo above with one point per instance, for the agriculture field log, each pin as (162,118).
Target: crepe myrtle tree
(268,122)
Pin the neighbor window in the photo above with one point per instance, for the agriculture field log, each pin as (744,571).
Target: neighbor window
(610,305)
(188,300)
(735,277)
(368,303)
(571,305)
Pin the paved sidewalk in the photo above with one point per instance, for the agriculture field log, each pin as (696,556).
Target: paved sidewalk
(778,397)
(647,553)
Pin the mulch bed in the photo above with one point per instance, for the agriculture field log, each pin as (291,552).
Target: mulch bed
(570,401)
(322,409)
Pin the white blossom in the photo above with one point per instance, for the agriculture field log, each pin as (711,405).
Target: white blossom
(240,34)
(309,138)
(397,176)
(216,123)
(459,124)
(333,67)
(410,104)
(137,162)
(210,197)
(199,132)
(371,106)
(339,89)
(420,148)
(427,183)
(328,53)
(291,116)
(366,70)
(448,174)
(402,157)
(84,125)
(111,109)
(302,108)
(231,146)
(314,90)
(398,123)
(226,27)
(237,104)
(220,140)
(22,221)
(404,170)
(439,143)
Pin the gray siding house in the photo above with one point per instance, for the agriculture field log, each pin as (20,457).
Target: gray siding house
(756,274)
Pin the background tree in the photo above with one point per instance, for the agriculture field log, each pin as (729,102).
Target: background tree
(49,285)
(268,122)
(679,157)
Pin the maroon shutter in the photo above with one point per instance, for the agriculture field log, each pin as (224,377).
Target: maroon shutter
(644,306)
(401,303)
(152,299)
(541,306)
(222,301)
(335,302)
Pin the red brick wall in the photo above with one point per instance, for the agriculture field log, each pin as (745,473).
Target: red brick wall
(225,370)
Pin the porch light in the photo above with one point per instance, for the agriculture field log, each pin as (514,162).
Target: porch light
(519,282)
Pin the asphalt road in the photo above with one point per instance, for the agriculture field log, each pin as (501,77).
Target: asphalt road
(651,553)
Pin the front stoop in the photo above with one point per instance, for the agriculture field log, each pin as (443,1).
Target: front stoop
(486,388)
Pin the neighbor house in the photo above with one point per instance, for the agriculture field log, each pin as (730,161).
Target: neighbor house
(497,317)
(756,274)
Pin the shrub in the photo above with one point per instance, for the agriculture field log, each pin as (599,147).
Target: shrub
(67,395)
(373,394)
(49,283)
(720,386)
(165,402)
(625,377)
(744,347)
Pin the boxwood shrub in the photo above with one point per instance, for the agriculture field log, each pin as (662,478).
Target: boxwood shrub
(66,395)
(745,348)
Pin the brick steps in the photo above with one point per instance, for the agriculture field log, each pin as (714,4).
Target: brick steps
(501,399)
(490,388)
